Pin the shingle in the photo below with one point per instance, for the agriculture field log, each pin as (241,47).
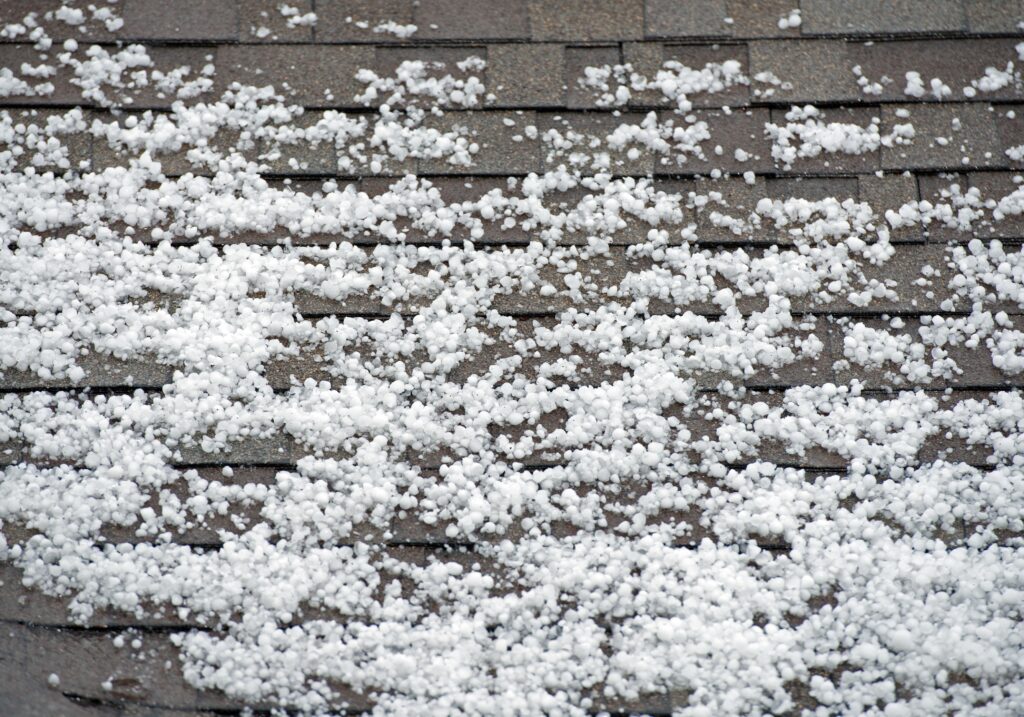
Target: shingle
(694,18)
(167,59)
(646,58)
(1009,121)
(64,93)
(740,130)
(974,362)
(956,62)
(472,19)
(301,156)
(440,61)
(262,21)
(840,17)
(13,12)
(526,75)
(594,128)
(947,136)
(812,188)
(760,18)
(951,445)
(837,162)
(918,273)
(996,185)
(586,20)
(808,369)
(500,152)
(890,192)
(577,59)
(200,20)
(938,188)
(818,70)
(734,198)
(697,56)
(312,75)
(37,124)
(355,20)
(995,16)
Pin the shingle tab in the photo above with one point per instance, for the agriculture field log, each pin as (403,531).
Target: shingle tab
(356,20)
(948,136)
(577,59)
(191,20)
(587,20)
(526,75)
(995,16)
(695,18)
(737,143)
(957,63)
(839,17)
(760,18)
(890,192)
(496,134)
(472,19)
(817,70)
(838,162)
(262,21)
(312,75)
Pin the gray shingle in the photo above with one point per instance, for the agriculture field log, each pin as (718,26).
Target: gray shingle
(37,123)
(301,156)
(939,188)
(812,188)
(472,19)
(499,151)
(995,16)
(595,128)
(262,21)
(15,11)
(1009,121)
(577,59)
(818,70)
(526,75)
(190,20)
(956,62)
(839,17)
(890,192)
(760,18)
(738,130)
(586,20)
(996,185)
(948,136)
(64,93)
(355,20)
(695,18)
(837,162)
(312,75)
(697,56)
